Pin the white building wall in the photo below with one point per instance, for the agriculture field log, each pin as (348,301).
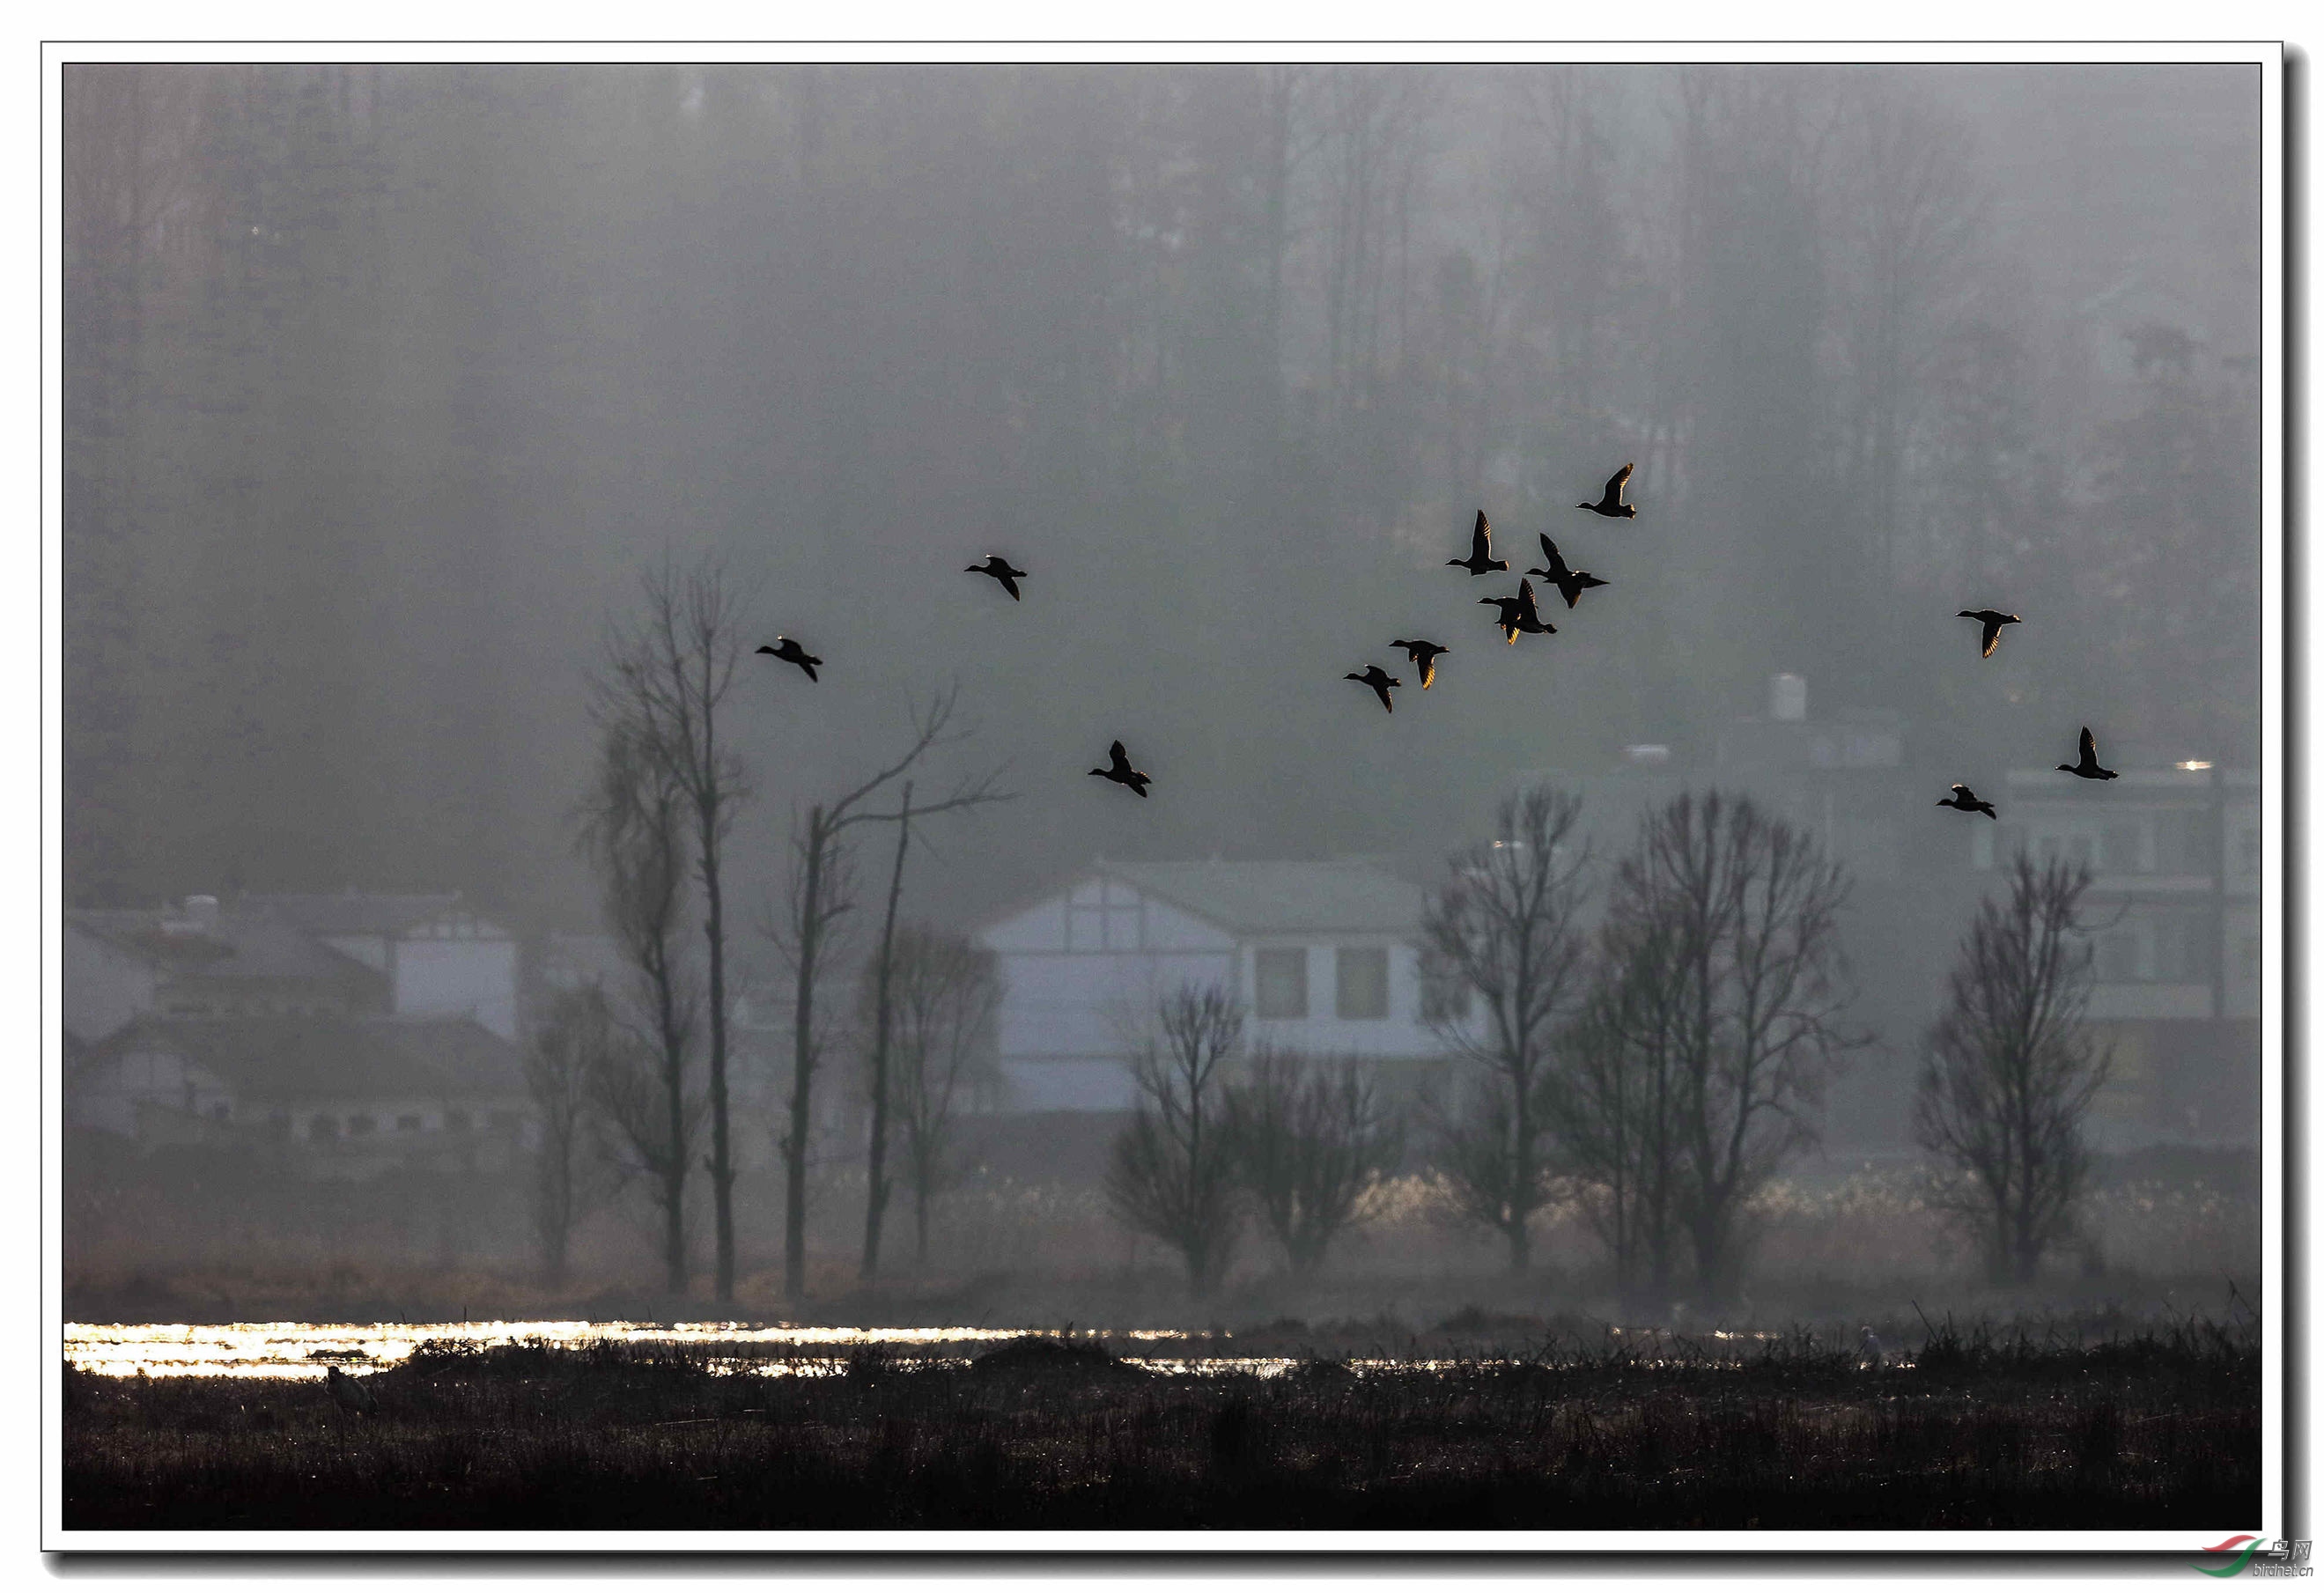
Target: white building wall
(449,977)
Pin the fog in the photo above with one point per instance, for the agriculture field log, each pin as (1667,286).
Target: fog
(385,383)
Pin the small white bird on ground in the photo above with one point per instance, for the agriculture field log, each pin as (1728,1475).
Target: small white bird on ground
(349,1394)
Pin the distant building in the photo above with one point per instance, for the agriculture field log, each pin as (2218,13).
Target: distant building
(1323,955)
(337,1097)
(2174,906)
(2174,911)
(280,956)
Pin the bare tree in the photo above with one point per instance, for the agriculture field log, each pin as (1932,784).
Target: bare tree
(672,672)
(944,995)
(2011,1069)
(643,1137)
(1507,926)
(1308,1138)
(632,828)
(1613,1107)
(575,1040)
(1173,1171)
(820,893)
(1741,913)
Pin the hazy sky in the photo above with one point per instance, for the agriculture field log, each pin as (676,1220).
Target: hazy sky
(383,382)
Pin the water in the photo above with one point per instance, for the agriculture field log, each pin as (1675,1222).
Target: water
(308,1349)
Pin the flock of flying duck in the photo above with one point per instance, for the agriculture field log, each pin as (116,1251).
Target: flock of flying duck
(1513,616)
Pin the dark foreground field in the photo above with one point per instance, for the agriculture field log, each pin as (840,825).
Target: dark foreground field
(2159,1430)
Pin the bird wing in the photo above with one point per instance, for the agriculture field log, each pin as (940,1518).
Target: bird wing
(1526,608)
(1992,635)
(1386,701)
(1120,755)
(1427,662)
(1549,556)
(2090,746)
(1964,791)
(1618,480)
(1480,541)
(1009,580)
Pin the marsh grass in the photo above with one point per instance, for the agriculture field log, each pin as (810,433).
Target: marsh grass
(1995,1426)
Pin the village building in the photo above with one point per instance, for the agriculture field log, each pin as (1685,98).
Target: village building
(1323,957)
(340,1097)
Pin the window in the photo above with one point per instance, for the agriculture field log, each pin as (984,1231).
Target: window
(408,1123)
(1283,983)
(322,1126)
(2117,958)
(1361,990)
(2182,949)
(360,1125)
(1443,994)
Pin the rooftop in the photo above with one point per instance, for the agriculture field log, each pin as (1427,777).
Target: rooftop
(289,1059)
(1281,898)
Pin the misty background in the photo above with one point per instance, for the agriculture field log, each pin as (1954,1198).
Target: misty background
(384,382)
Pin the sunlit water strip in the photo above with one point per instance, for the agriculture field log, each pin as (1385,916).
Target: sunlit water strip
(306,1350)
(300,1350)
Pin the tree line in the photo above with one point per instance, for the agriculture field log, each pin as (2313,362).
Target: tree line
(1657,1062)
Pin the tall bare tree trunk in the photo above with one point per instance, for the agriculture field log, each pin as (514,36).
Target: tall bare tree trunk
(876,1198)
(810,938)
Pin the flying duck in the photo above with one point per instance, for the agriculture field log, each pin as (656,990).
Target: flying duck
(1422,655)
(1611,505)
(1966,800)
(1000,569)
(1481,558)
(1571,582)
(1519,614)
(791,652)
(1121,774)
(1992,620)
(2089,766)
(1380,680)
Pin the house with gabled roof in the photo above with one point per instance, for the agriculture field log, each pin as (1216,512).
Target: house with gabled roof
(342,1097)
(436,952)
(289,955)
(1324,956)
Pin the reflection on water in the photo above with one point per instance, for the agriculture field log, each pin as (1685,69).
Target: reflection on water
(306,1350)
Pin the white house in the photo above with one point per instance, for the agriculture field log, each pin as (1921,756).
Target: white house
(438,956)
(1323,957)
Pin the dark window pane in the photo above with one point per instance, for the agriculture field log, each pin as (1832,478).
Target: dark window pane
(1362,988)
(1283,983)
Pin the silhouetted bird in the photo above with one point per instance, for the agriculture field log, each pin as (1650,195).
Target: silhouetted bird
(1992,620)
(1121,774)
(1966,800)
(1519,614)
(1572,581)
(1422,655)
(1868,1350)
(2089,766)
(1480,549)
(1611,505)
(998,568)
(1380,680)
(348,1394)
(791,652)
